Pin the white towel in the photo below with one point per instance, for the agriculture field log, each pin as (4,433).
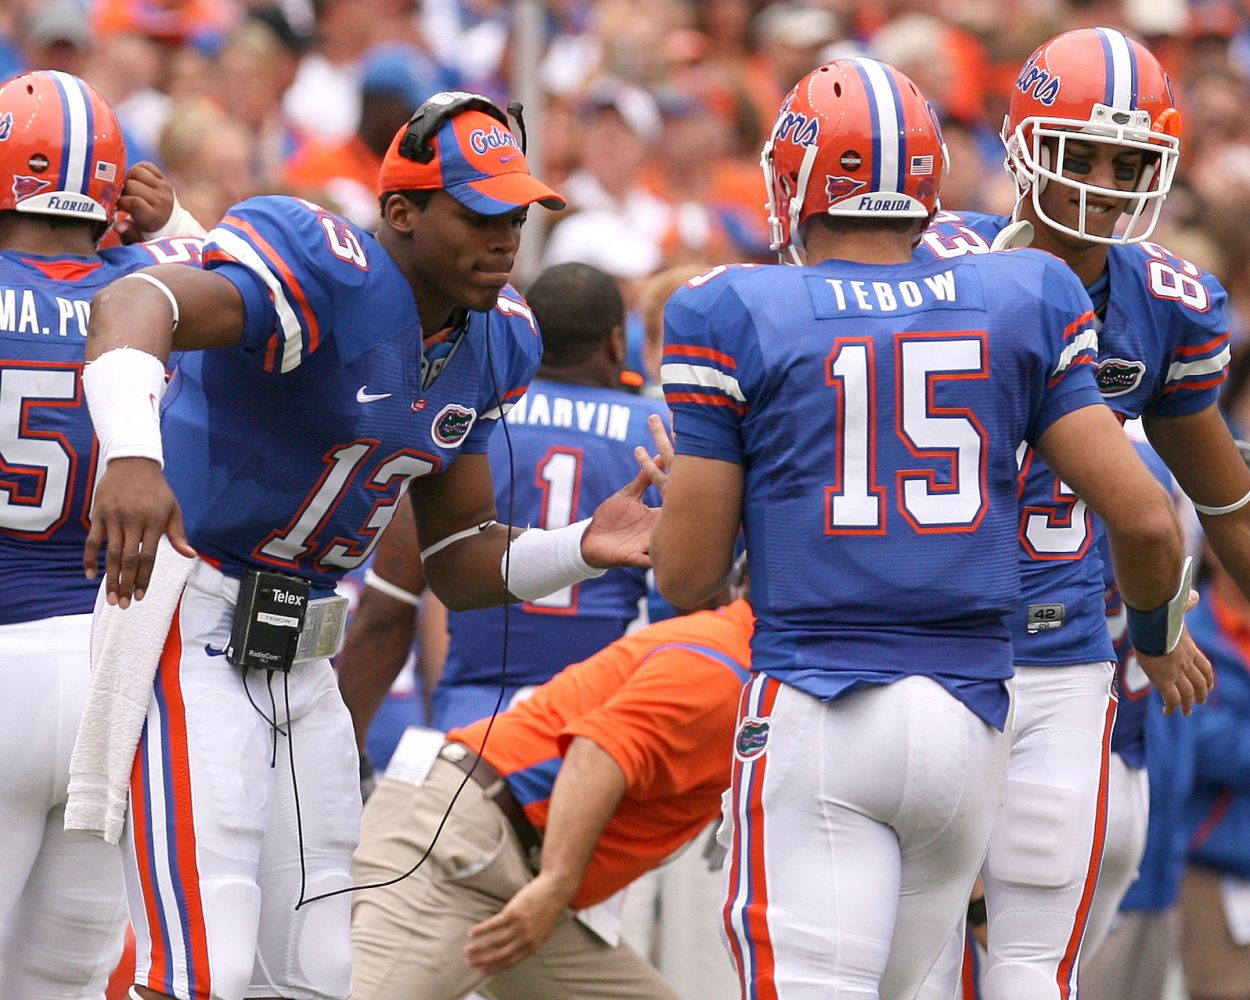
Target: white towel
(126,648)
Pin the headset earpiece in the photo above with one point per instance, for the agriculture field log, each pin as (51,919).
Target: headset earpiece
(429,118)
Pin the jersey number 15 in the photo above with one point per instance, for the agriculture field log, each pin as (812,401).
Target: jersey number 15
(953,436)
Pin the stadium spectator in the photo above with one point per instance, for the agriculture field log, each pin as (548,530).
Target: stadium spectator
(788,36)
(394,80)
(56,35)
(209,157)
(253,70)
(712,200)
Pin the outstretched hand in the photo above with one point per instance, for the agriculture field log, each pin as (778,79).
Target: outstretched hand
(620,531)
(133,507)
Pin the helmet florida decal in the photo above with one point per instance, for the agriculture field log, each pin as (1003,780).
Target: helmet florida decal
(452,425)
(1038,80)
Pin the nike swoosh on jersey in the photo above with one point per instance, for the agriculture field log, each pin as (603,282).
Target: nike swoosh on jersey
(370,397)
(212,651)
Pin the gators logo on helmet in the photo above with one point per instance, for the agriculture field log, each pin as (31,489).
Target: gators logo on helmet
(1115,376)
(452,425)
(24,186)
(837,188)
(752,738)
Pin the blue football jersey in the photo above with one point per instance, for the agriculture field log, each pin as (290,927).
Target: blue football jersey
(1163,350)
(877,413)
(566,449)
(290,450)
(47,446)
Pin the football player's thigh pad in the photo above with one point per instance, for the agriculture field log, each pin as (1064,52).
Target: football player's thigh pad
(1035,836)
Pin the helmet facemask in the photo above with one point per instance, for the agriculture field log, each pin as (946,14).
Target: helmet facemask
(1031,164)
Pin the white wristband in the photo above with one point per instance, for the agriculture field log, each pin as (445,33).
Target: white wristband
(540,562)
(180,223)
(123,389)
(1228,509)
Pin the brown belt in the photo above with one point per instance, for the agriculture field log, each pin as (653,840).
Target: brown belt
(497,790)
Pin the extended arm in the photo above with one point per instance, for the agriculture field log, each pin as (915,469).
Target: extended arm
(1202,455)
(1090,452)
(464,546)
(135,323)
(583,799)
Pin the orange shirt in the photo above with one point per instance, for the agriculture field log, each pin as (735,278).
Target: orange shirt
(320,162)
(662,703)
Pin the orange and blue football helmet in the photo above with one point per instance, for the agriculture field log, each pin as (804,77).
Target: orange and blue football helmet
(1100,86)
(61,148)
(853,138)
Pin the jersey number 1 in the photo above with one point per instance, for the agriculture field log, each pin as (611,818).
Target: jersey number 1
(559,477)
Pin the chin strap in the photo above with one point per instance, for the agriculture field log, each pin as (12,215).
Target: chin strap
(1014,236)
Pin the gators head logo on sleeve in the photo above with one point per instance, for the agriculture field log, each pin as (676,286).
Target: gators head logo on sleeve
(1115,376)
(752,738)
(452,425)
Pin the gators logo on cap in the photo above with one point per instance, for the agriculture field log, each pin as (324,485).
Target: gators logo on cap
(1115,376)
(452,425)
(752,738)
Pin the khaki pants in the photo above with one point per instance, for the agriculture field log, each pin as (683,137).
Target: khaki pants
(408,938)
(1133,961)
(1216,968)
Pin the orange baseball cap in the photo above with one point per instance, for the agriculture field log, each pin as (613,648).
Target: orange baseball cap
(477,161)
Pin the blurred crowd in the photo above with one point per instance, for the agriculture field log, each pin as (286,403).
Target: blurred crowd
(650,113)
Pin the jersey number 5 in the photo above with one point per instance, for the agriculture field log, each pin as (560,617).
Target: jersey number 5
(38,468)
(856,503)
